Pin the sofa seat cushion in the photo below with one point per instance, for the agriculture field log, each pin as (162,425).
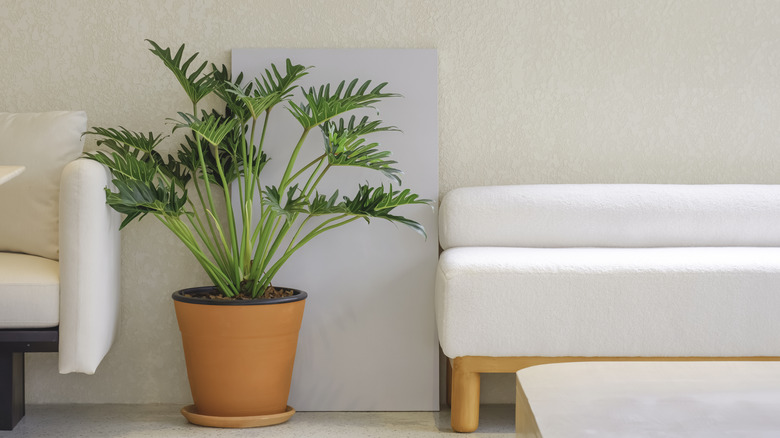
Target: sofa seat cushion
(493,301)
(29,291)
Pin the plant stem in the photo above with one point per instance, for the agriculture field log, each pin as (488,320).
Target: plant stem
(220,254)
(245,197)
(201,232)
(314,233)
(231,222)
(262,136)
(286,178)
(183,232)
(256,180)
(269,251)
(303,169)
(248,161)
(316,183)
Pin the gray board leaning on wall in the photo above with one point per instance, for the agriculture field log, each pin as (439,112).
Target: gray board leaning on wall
(368,340)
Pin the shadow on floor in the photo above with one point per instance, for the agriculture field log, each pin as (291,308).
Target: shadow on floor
(492,419)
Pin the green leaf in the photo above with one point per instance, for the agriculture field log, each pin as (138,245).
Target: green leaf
(255,105)
(234,107)
(275,83)
(139,189)
(137,198)
(273,89)
(322,106)
(375,202)
(232,166)
(211,127)
(177,172)
(187,155)
(345,145)
(126,167)
(196,87)
(293,205)
(123,138)
(321,205)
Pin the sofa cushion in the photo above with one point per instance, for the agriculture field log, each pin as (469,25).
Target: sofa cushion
(611,215)
(29,291)
(609,301)
(44,143)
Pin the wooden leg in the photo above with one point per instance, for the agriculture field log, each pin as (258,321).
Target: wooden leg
(465,398)
(11,389)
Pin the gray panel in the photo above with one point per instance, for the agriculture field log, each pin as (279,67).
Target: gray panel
(368,340)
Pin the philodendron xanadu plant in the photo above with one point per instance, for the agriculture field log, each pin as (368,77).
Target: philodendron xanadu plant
(226,147)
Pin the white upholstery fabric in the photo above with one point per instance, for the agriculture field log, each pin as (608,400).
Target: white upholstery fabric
(609,301)
(89,267)
(44,143)
(57,209)
(29,291)
(615,215)
(610,270)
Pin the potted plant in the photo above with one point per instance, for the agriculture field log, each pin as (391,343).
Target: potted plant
(240,334)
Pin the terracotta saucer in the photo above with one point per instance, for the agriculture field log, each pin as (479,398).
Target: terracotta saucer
(194,417)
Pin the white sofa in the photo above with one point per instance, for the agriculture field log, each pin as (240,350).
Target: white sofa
(59,252)
(555,273)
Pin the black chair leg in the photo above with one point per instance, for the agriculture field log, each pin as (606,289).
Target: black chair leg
(11,389)
(13,345)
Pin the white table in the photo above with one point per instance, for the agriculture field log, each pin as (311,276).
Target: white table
(649,399)
(8,172)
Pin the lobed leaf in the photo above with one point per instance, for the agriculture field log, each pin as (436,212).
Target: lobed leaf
(211,127)
(275,83)
(320,205)
(345,145)
(234,106)
(375,202)
(196,87)
(294,204)
(127,139)
(323,105)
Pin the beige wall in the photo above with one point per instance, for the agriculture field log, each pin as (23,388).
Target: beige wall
(530,92)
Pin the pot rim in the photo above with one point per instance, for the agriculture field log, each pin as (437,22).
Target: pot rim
(298,295)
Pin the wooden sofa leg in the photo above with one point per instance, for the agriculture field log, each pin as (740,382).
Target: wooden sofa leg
(11,389)
(465,398)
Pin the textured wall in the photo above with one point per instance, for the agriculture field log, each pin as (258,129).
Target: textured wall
(530,92)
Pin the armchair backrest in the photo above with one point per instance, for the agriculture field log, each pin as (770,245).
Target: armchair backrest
(44,143)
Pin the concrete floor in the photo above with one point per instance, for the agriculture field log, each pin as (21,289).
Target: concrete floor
(165,421)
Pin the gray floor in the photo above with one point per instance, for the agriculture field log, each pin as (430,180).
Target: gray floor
(127,421)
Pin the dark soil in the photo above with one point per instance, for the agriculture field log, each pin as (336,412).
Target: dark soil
(270,292)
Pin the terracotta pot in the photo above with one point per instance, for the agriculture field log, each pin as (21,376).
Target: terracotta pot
(239,354)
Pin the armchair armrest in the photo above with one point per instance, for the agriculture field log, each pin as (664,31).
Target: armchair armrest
(89,267)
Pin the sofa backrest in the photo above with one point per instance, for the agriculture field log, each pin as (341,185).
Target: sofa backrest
(29,204)
(611,215)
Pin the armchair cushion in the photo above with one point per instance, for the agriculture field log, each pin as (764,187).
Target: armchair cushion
(29,291)
(44,143)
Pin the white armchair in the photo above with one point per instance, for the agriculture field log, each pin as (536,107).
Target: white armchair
(59,253)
